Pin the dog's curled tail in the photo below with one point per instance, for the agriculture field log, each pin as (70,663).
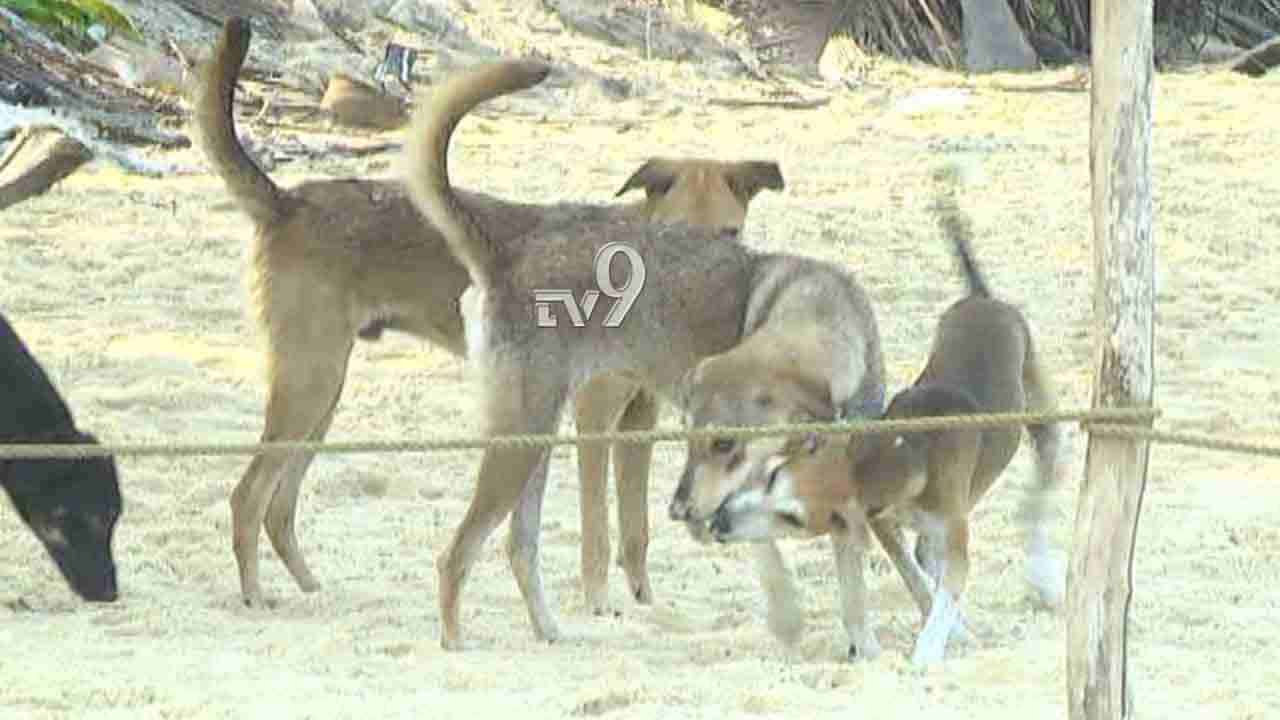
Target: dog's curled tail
(256,194)
(427,157)
(956,226)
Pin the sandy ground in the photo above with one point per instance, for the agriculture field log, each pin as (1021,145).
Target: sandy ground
(130,292)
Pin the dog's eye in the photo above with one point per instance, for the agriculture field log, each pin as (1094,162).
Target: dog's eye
(792,520)
(722,446)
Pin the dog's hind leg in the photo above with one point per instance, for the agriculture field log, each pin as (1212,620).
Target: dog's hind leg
(513,403)
(300,404)
(889,532)
(952,462)
(632,462)
(928,554)
(849,546)
(1045,569)
(944,618)
(523,550)
(283,509)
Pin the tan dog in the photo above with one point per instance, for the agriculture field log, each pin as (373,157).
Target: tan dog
(712,194)
(983,360)
(705,296)
(814,356)
(357,104)
(337,260)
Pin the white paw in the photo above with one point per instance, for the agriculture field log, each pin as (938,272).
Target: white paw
(1047,576)
(927,654)
(865,648)
(549,633)
(960,633)
(786,623)
(931,644)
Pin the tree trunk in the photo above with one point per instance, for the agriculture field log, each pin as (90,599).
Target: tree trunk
(1100,582)
(1257,61)
(992,39)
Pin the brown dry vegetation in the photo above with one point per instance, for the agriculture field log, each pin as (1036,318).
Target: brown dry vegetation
(130,292)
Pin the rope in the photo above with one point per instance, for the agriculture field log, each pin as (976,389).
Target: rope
(1200,440)
(856,427)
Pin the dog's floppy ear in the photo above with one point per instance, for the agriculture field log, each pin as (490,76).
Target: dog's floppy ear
(864,401)
(746,179)
(656,176)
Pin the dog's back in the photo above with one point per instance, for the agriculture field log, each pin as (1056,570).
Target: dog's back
(981,342)
(984,346)
(70,504)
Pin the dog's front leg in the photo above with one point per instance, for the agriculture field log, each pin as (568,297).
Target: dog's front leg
(522,552)
(943,620)
(953,566)
(784,615)
(889,532)
(850,550)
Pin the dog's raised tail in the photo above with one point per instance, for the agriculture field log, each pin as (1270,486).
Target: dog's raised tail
(253,191)
(427,157)
(956,226)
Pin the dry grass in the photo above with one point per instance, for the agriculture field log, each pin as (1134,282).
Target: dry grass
(129,290)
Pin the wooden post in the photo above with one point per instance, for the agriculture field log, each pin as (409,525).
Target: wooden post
(1100,580)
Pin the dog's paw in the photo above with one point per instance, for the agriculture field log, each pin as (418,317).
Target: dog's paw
(786,624)
(309,585)
(926,654)
(960,633)
(596,602)
(864,650)
(257,601)
(1047,577)
(931,644)
(643,594)
(548,632)
(640,590)
(453,643)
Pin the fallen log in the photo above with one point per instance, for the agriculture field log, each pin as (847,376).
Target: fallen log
(1258,60)
(13,118)
(76,91)
(36,160)
(812,104)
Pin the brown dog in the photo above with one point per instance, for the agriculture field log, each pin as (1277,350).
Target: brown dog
(705,296)
(337,260)
(357,104)
(983,360)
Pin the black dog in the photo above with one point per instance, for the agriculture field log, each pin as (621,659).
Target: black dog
(71,505)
